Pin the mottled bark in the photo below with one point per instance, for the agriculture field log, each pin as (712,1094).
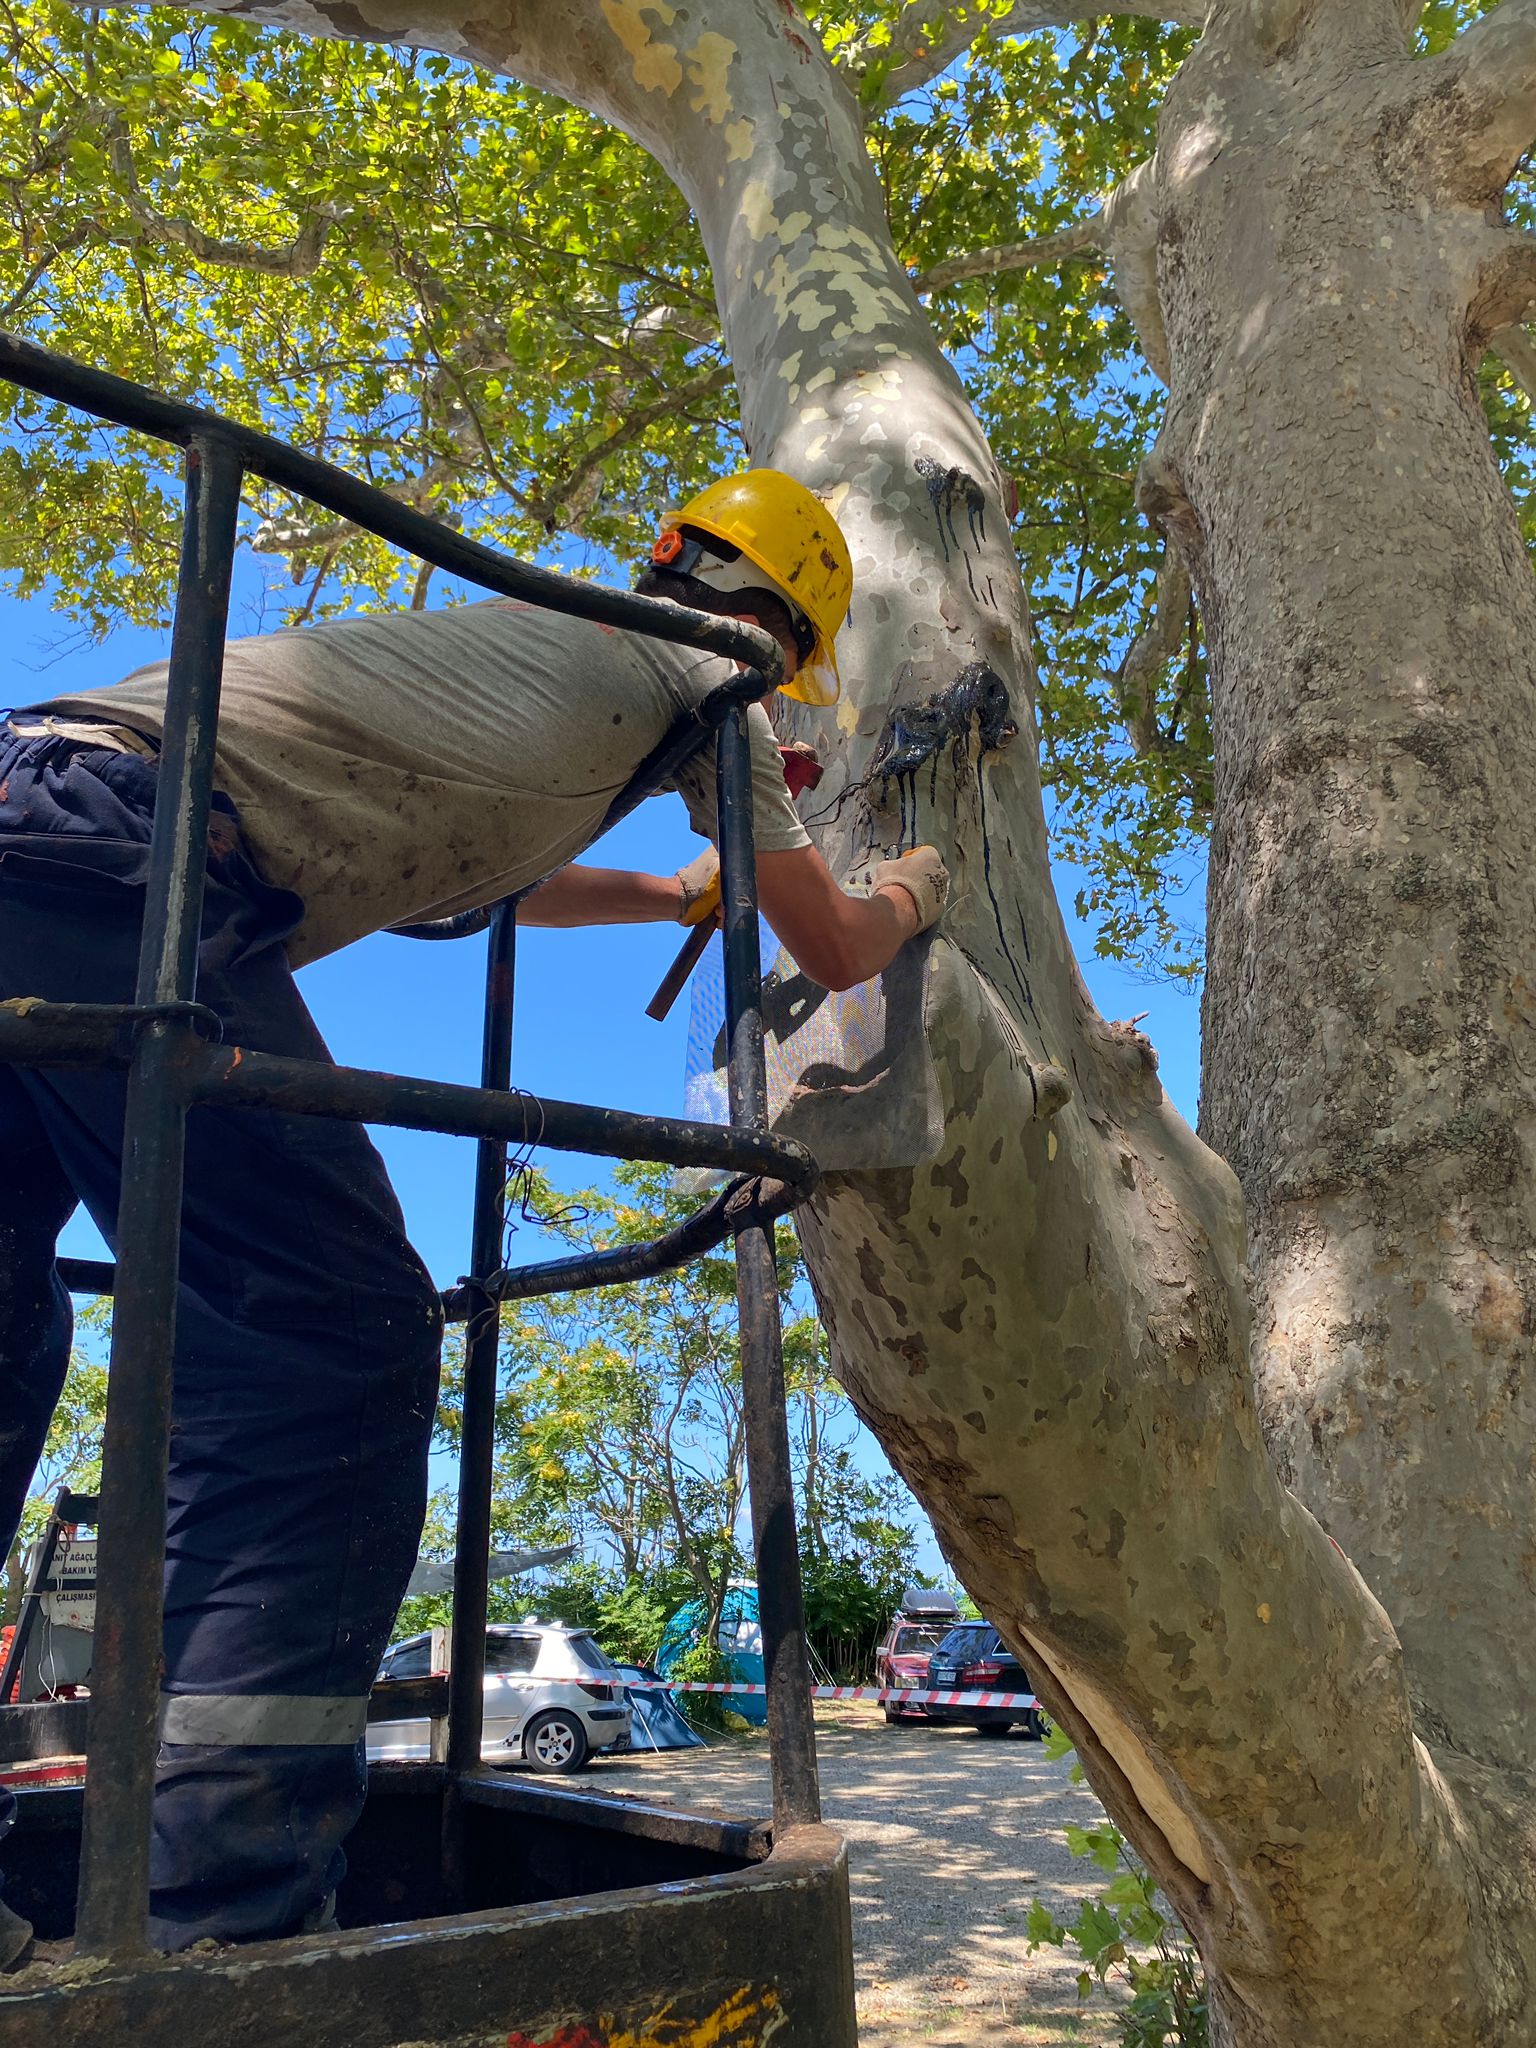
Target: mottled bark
(1331,264)
(1049,1325)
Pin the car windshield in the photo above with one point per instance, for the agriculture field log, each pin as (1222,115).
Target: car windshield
(592,1655)
(964,1642)
(916,1636)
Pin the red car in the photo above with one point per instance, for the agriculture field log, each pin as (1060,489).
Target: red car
(914,1634)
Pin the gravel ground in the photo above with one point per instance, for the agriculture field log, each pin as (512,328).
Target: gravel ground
(950,1836)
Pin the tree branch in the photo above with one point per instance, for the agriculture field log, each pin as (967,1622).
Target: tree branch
(1506,294)
(1130,239)
(1123,230)
(300,258)
(1083,238)
(930,34)
(76,239)
(1152,650)
(1486,83)
(569,502)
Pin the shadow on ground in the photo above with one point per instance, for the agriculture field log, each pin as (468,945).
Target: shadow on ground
(951,1835)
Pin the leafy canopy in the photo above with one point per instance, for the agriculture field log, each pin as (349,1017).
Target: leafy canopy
(491,304)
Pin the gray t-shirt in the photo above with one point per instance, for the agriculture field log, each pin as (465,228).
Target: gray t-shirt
(404,765)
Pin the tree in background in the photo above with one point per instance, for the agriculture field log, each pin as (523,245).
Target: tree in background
(72,1453)
(858,1549)
(1234,1438)
(619,1427)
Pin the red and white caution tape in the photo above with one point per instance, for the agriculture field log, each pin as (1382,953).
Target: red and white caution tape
(903,1695)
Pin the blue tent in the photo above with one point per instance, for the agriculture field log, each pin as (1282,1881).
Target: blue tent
(741,1645)
(655,1722)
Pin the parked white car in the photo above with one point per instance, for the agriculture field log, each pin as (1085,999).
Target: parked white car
(553,1699)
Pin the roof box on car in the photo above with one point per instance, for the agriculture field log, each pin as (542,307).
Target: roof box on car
(929,1603)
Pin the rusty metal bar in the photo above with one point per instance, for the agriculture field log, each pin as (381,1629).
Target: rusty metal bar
(753,1197)
(781,1609)
(38,1034)
(125,1694)
(477,1440)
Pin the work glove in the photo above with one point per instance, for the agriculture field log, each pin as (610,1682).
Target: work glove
(700,884)
(924,877)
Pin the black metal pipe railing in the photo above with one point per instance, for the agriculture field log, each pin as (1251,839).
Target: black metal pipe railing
(752,1197)
(37,1034)
(171,1070)
(786,1662)
(477,1437)
(168,419)
(125,1688)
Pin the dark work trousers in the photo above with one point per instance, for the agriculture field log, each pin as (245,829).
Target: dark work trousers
(307,1340)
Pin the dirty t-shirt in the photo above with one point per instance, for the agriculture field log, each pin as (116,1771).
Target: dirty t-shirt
(406,765)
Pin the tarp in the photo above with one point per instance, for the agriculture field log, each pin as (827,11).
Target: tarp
(655,1719)
(741,1644)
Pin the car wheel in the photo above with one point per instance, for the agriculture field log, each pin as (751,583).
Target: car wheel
(555,1743)
(893,1715)
(993,1727)
(1034,1726)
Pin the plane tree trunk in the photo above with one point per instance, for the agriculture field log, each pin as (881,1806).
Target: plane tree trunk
(1136,1420)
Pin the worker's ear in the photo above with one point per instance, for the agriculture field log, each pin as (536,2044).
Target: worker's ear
(787,646)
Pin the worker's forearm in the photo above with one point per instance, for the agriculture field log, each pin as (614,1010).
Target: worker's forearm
(836,938)
(579,896)
(866,934)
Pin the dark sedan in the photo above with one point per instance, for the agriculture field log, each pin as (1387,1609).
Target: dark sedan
(974,1658)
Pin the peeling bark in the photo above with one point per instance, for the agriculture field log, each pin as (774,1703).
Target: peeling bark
(1061,1328)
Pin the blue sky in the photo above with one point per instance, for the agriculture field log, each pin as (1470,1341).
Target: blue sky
(581,1030)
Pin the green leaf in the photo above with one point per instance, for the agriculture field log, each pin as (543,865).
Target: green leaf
(1096,1930)
(1102,1843)
(1130,1888)
(1043,1928)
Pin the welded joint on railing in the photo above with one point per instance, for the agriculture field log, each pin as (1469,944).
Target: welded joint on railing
(748,686)
(35,1031)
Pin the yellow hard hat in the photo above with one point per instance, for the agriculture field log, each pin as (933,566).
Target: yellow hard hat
(791,536)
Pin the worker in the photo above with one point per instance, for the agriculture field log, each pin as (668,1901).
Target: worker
(373,771)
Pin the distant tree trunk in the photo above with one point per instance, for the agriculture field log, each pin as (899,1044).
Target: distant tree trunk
(12,1586)
(1049,1325)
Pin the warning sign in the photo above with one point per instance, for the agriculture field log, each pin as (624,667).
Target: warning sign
(69,1592)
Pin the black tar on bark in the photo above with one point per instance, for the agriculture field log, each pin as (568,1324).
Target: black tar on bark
(914,733)
(946,489)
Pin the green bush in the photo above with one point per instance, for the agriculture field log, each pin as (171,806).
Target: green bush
(1168,2003)
(704,1665)
(846,1611)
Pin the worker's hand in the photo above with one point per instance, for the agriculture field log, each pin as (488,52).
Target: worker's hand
(924,877)
(699,884)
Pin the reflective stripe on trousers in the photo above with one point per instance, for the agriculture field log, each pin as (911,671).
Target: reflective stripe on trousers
(271,1720)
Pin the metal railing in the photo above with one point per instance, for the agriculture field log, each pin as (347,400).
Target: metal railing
(171,1067)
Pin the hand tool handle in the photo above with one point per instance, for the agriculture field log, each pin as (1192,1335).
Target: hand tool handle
(688,957)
